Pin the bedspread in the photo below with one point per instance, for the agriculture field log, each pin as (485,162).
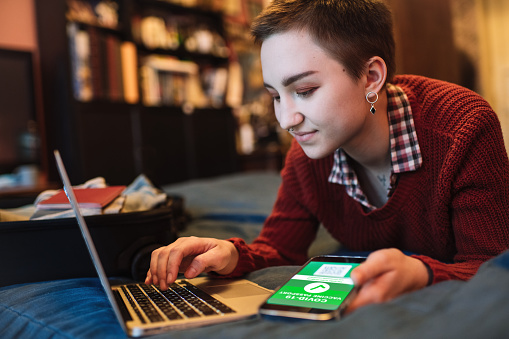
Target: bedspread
(237,205)
(454,309)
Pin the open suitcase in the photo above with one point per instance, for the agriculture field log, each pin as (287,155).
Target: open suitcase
(54,249)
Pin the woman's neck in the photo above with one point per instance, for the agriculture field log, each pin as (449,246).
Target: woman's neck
(372,148)
(375,182)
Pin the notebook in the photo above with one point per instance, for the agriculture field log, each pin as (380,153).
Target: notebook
(86,197)
(188,303)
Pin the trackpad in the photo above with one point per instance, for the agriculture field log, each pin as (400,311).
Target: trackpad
(235,290)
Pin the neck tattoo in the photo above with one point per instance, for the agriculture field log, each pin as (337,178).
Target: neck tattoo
(382,179)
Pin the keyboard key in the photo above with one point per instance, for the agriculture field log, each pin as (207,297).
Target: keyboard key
(208,298)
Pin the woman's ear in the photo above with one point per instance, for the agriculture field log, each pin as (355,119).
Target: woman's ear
(376,74)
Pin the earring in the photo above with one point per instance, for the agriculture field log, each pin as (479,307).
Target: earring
(372,109)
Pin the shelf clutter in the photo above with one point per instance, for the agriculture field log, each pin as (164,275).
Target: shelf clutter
(107,66)
(162,85)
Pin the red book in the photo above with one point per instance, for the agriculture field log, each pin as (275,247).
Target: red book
(87,198)
(113,61)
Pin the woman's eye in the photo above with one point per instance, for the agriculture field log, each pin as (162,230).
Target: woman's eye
(276,98)
(306,93)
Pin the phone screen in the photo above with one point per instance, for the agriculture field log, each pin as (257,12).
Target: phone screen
(318,285)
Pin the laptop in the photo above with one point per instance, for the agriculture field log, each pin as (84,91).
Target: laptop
(145,309)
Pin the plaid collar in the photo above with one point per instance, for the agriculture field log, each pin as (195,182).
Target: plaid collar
(405,151)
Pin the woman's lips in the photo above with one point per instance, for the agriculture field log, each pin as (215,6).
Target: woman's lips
(303,136)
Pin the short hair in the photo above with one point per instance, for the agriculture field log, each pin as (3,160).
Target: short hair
(350,31)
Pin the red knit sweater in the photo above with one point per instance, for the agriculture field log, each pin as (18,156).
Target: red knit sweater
(453,211)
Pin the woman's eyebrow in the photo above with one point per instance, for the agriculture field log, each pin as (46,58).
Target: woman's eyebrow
(287,81)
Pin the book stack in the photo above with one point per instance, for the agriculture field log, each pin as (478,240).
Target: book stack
(167,81)
(103,66)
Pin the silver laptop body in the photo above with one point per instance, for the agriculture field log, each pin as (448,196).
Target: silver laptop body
(188,303)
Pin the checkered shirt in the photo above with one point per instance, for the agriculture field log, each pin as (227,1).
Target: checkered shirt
(405,151)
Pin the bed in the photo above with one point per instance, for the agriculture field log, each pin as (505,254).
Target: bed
(237,205)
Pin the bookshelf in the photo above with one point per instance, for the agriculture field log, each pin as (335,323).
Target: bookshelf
(139,88)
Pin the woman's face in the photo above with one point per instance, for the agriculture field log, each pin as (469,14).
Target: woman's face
(313,94)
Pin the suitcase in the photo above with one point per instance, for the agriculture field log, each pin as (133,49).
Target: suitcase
(41,250)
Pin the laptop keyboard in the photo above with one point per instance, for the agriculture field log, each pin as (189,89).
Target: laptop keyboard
(182,300)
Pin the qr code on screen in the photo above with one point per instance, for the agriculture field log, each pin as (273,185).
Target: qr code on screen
(333,270)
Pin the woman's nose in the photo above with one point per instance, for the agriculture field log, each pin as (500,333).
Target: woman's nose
(288,115)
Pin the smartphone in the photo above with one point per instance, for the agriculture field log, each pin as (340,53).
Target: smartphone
(320,290)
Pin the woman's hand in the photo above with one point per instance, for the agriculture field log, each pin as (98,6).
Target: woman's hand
(191,256)
(385,275)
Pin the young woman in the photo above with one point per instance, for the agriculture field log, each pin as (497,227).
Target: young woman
(387,164)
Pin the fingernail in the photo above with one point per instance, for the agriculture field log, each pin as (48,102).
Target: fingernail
(169,278)
(192,272)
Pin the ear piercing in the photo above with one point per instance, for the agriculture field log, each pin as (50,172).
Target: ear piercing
(372,102)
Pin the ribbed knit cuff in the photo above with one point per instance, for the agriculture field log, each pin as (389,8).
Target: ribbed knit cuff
(430,274)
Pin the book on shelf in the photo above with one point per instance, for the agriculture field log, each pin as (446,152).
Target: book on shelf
(96,64)
(129,71)
(96,198)
(113,60)
(79,44)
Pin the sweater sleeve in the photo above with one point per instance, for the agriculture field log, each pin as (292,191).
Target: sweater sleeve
(474,186)
(290,229)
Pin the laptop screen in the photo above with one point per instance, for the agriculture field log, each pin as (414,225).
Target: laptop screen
(86,235)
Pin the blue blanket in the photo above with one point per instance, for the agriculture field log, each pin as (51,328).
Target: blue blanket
(236,206)
(78,308)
